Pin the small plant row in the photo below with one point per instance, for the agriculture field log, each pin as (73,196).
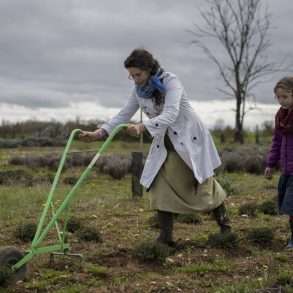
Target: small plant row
(247,158)
(25,232)
(157,252)
(32,142)
(115,165)
(268,207)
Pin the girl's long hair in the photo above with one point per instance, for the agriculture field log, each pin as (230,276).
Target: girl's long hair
(285,83)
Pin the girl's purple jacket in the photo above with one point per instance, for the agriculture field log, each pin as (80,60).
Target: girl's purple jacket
(281,151)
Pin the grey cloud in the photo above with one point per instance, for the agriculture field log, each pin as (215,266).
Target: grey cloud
(53,53)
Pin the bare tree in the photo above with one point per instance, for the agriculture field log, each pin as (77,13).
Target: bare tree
(241,27)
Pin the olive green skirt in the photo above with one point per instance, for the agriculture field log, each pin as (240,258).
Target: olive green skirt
(176,190)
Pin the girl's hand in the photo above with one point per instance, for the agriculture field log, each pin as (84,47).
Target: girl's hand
(88,136)
(135,129)
(268,173)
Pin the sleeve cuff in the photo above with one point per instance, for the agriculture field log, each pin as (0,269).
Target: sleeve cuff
(107,128)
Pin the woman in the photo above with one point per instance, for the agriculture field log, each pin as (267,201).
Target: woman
(180,165)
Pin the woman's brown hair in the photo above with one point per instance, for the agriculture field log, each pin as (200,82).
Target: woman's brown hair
(142,59)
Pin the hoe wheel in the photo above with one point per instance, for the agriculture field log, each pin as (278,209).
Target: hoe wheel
(8,257)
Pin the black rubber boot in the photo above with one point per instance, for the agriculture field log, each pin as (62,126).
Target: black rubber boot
(166,228)
(222,219)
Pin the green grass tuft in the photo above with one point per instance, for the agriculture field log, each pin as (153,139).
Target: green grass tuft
(152,252)
(223,240)
(262,236)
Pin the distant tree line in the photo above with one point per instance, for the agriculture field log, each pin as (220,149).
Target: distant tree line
(261,134)
(49,133)
(42,133)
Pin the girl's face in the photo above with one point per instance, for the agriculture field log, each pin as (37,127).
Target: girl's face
(285,98)
(139,76)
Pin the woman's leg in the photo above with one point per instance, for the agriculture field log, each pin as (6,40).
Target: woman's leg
(166,227)
(222,219)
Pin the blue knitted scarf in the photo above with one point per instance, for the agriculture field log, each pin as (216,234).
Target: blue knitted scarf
(154,83)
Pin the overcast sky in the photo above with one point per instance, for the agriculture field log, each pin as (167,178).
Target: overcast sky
(60,59)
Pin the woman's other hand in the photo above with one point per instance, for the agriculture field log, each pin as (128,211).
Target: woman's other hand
(135,129)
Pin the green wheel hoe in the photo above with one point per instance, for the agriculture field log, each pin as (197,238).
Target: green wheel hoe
(14,261)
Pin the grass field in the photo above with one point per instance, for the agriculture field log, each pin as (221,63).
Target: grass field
(124,223)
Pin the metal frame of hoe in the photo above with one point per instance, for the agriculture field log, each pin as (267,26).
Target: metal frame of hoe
(43,230)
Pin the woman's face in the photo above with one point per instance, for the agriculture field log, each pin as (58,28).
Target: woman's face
(285,98)
(139,76)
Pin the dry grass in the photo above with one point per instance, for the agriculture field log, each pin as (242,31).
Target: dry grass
(111,266)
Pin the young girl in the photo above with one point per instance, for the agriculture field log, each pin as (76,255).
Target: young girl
(282,149)
(180,165)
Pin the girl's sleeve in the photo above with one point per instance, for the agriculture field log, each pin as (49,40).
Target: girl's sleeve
(124,115)
(274,153)
(159,124)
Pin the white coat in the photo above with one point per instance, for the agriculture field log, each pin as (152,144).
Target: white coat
(190,138)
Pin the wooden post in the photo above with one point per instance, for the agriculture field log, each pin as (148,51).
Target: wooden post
(136,170)
(257,138)
(137,166)
(222,137)
(141,135)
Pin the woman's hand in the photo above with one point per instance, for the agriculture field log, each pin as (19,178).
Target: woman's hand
(88,136)
(135,129)
(268,173)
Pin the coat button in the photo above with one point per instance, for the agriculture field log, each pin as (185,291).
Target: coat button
(175,132)
(194,137)
(157,124)
(158,146)
(181,143)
